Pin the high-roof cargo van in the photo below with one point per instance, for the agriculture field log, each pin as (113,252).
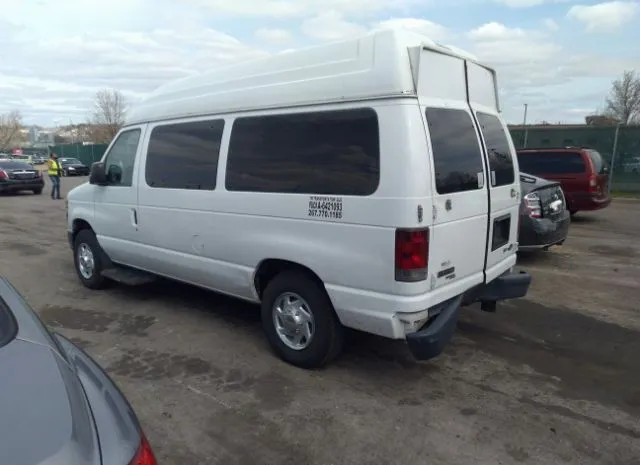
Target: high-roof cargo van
(367,184)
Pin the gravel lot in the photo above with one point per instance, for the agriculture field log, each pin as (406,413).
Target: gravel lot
(551,379)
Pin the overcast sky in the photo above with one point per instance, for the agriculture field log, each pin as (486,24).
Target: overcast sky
(559,56)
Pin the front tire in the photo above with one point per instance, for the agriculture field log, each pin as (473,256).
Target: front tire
(37,191)
(300,322)
(87,258)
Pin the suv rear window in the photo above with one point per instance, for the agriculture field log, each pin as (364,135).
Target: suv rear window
(456,151)
(8,326)
(599,164)
(538,163)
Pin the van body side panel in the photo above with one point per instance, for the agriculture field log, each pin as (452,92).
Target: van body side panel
(217,239)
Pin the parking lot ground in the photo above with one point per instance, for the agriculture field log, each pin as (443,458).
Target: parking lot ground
(550,379)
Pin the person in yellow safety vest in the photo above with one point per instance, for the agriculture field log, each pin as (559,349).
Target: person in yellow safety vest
(54,171)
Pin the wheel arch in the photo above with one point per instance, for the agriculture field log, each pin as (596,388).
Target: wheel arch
(269,268)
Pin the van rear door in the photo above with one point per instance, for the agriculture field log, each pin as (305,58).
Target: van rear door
(460,196)
(503,178)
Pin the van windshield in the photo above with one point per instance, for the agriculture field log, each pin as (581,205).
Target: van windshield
(540,163)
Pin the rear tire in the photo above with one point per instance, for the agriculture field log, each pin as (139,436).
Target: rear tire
(87,258)
(327,333)
(37,191)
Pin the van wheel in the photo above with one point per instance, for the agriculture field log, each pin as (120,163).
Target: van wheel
(87,257)
(300,322)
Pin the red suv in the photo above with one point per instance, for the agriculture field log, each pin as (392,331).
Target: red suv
(582,173)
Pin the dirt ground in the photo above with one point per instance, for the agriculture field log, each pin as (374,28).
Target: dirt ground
(550,379)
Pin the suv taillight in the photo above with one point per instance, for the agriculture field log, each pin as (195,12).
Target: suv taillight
(593,184)
(533,205)
(3,175)
(412,254)
(144,456)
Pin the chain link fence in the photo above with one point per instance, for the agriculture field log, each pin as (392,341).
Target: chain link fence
(86,153)
(618,145)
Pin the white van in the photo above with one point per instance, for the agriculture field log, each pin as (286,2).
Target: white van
(368,184)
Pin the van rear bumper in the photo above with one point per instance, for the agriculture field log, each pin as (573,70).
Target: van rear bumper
(429,341)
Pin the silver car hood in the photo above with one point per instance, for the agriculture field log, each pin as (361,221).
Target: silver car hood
(44,415)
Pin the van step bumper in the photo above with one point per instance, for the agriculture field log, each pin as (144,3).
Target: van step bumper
(510,285)
(429,342)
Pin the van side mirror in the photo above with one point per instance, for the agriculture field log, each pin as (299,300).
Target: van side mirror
(98,176)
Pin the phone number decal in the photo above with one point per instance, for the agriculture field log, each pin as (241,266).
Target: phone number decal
(325,207)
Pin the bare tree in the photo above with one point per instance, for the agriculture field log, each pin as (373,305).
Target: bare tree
(108,115)
(10,125)
(623,102)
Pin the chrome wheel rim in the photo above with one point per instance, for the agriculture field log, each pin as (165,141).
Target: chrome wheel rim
(86,262)
(293,320)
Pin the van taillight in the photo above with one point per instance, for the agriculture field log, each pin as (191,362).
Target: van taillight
(412,254)
(593,184)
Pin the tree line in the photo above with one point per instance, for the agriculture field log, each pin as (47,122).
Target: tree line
(104,122)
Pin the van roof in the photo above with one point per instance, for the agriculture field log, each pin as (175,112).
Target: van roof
(376,65)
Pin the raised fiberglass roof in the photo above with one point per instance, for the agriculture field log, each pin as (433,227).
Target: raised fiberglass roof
(372,66)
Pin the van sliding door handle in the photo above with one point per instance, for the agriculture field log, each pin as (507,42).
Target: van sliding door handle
(134,217)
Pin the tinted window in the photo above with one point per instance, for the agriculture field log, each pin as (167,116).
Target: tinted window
(456,152)
(551,163)
(328,153)
(121,158)
(15,165)
(185,155)
(598,163)
(498,149)
(8,327)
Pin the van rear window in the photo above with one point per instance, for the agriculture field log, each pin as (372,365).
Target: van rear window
(457,157)
(540,163)
(498,149)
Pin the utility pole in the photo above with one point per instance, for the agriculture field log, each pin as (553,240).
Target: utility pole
(524,123)
(613,155)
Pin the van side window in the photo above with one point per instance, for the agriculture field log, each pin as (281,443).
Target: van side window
(540,163)
(456,151)
(121,159)
(184,155)
(326,153)
(498,149)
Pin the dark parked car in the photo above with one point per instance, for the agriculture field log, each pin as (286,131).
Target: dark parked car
(19,176)
(58,406)
(73,167)
(582,172)
(544,218)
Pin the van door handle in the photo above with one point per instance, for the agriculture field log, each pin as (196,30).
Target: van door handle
(134,217)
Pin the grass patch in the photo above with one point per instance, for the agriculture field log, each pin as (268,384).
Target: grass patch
(625,195)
